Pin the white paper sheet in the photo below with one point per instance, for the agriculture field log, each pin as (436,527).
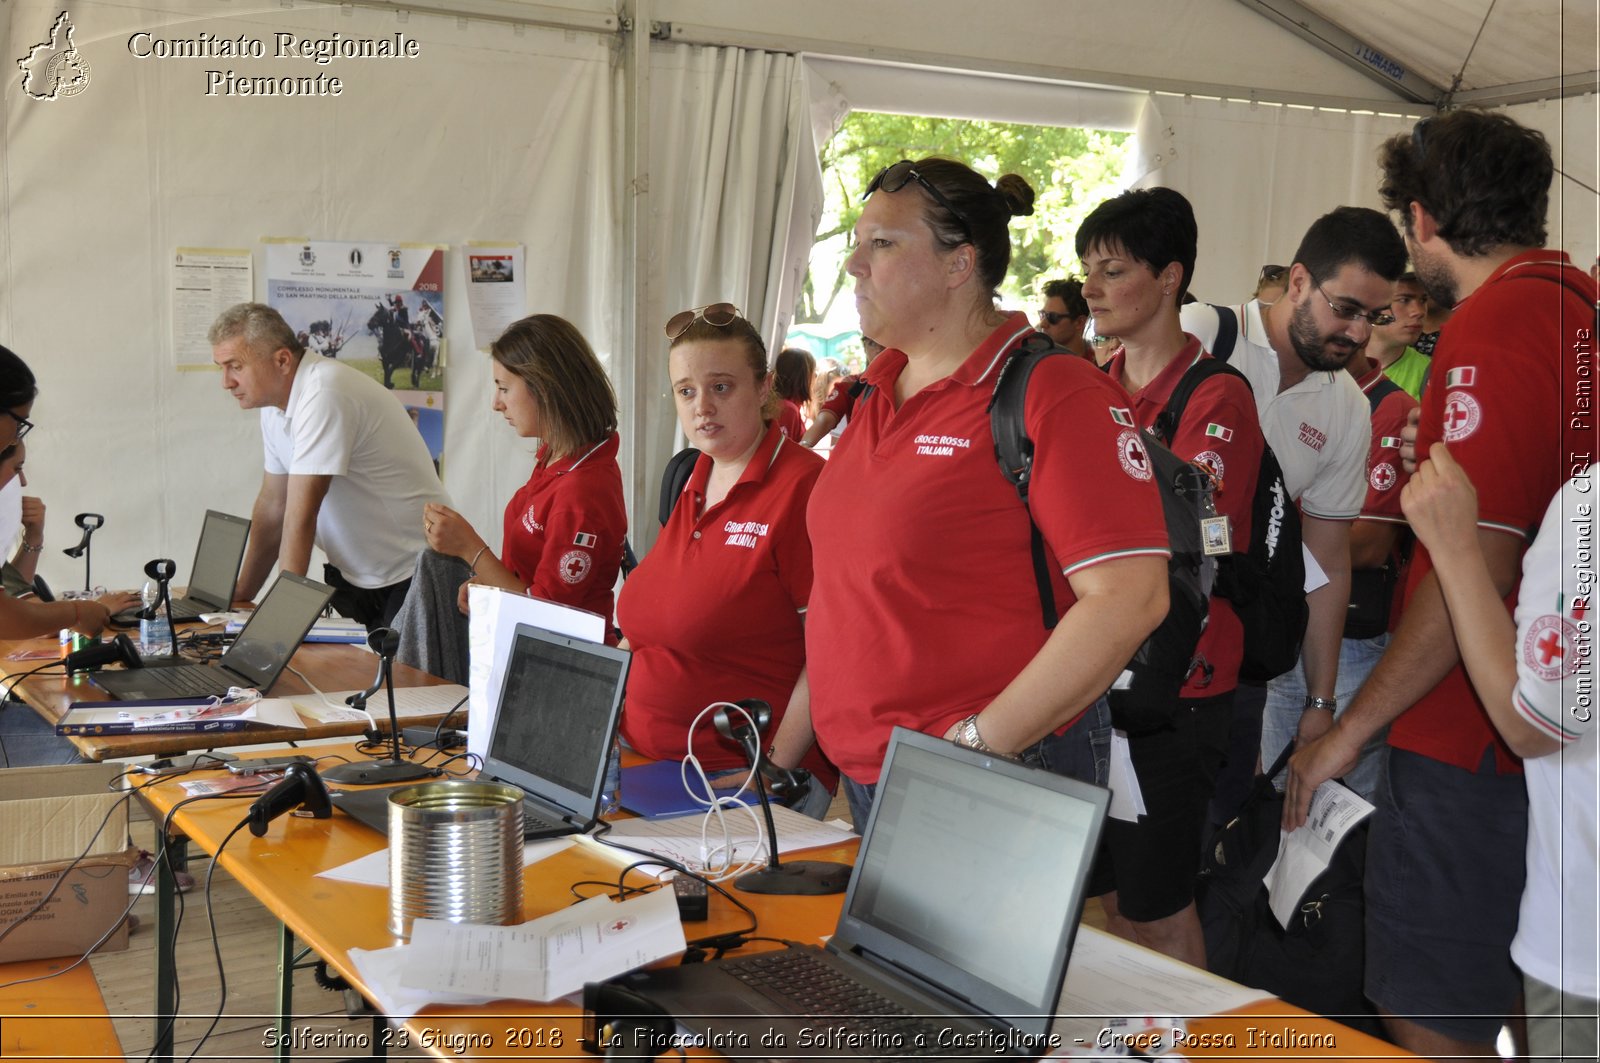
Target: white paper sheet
(205,282)
(1127,800)
(409,703)
(680,838)
(380,974)
(548,957)
(1304,853)
(497,290)
(1315,577)
(494,616)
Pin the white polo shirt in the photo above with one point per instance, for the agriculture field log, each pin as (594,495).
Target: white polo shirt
(1320,429)
(343,424)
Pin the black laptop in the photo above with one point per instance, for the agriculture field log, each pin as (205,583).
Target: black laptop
(256,658)
(216,569)
(961,912)
(554,726)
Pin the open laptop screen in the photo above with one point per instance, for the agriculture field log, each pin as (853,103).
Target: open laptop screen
(558,705)
(276,628)
(949,847)
(217,558)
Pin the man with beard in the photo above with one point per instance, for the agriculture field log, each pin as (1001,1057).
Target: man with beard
(1508,393)
(1293,351)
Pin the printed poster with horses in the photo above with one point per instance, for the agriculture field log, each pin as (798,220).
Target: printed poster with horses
(379,308)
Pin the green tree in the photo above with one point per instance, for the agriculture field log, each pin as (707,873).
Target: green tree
(1071,171)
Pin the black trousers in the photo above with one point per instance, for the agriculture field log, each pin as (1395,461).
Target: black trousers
(374,607)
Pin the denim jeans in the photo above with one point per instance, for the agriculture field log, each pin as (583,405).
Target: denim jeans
(27,741)
(1286,698)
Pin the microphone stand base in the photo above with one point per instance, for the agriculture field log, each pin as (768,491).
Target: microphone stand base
(372,772)
(798,878)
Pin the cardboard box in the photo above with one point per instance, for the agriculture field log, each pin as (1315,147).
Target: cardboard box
(48,818)
(90,901)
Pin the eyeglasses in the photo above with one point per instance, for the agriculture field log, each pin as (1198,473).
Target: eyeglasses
(24,426)
(894,178)
(719,314)
(1349,312)
(7,453)
(1053,317)
(1271,273)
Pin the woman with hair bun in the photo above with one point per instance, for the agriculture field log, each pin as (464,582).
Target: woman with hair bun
(924,610)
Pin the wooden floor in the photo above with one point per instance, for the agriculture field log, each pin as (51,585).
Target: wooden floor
(247,937)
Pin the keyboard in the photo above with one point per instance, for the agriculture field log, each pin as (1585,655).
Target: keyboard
(818,989)
(188,681)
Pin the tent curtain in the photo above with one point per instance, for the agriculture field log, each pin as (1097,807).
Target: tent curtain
(1258,176)
(735,193)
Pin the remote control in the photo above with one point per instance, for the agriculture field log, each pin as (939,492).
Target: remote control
(692,898)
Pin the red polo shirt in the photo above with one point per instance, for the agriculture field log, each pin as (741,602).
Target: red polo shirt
(790,420)
(1220,430)
(924,606)
(714,611)
(1504,394)
(1385,474)
(840,402)
(564,528)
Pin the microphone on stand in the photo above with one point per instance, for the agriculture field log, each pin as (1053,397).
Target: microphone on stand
(809,878)
(88,522)
(383,641)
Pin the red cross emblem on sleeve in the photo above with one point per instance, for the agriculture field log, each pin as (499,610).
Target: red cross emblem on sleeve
(1546,646)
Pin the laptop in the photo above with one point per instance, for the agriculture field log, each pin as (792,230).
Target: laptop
(256,658)
(554,726)
(216,569)
(961,912)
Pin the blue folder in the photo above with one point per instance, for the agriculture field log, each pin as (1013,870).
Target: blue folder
(656,791)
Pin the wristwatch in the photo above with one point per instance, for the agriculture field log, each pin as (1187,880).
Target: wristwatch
(1330,704)
(967,735)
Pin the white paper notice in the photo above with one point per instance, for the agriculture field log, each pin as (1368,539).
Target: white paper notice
(545,958)
(1315,577)
(205,282)
(680,838)
(1127,801)
(497,292)
(494,616)
(1305,852)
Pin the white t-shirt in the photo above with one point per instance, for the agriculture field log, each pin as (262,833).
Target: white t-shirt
(1556,940)
(1320,429)
(10,515)
(344,424)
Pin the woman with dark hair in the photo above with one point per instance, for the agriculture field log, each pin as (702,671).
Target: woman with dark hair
(715,610)
(563,534)
(1139,251)
(925,612)
(791,380)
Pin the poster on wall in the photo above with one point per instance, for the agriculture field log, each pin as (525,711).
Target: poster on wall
(377,307)
(205,282)
(497,292)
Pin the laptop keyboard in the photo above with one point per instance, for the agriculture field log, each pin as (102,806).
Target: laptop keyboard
(185,680)
(820,990)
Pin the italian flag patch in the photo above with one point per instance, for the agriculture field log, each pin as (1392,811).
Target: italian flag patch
(1121,415)
(1389,441)
(1463,377)
(1217,431)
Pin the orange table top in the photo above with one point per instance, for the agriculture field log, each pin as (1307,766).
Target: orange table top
(63,1016)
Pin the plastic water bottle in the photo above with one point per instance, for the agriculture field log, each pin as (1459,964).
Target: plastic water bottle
(611,790)
(155,635)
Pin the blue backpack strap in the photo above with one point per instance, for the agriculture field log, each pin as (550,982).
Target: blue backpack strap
(1227,332)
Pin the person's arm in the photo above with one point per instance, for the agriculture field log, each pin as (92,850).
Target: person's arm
(1421,654)
(1329,543)
(794,736)
(824,423)
(26,561)
(1443,509)
(451,534)
(266,532)
(34,619)
(305,493)
(1371,542)
(1119,602)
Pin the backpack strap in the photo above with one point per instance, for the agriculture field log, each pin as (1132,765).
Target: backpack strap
(1227,332)
(673,479)
(1171,415)
(1380,391)
(1013,449)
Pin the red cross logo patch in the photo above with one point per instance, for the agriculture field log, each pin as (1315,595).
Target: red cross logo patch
(1549,649)
(574,566)
(1461,416)
(1135,459)
(618,925)
(1382,477)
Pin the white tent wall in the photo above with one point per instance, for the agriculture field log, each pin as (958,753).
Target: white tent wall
(494,132)
(1572,126)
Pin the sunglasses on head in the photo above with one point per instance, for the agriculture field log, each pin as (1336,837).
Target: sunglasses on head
(1272,273)
(1053,317)
(719,314)
(894,178)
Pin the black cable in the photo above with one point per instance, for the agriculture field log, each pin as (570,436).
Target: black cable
(216,945)
(439,728)
(667,862)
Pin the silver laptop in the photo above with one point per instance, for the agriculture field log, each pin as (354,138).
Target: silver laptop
(217,558)
(961,912)
(554,726)
(256,658)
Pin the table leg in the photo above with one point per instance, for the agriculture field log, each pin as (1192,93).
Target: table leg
(170,853)
(286,963)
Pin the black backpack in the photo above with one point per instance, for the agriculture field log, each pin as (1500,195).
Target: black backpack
(1265,582)
(1145,697)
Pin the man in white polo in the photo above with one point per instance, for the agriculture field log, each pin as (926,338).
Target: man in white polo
(346,470)
(1318,423)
